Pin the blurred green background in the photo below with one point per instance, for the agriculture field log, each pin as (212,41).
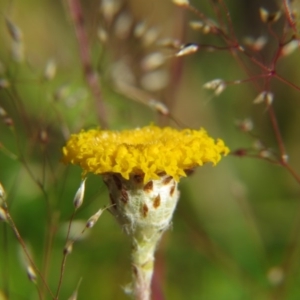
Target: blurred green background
(235,232)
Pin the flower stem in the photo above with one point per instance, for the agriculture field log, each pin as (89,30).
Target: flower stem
(143,249)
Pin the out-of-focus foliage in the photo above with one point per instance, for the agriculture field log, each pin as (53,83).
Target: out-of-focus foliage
(235,231)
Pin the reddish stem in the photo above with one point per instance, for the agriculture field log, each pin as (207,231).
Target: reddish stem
(289,15)
(91,76)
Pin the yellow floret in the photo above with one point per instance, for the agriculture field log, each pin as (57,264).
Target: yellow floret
(147,151)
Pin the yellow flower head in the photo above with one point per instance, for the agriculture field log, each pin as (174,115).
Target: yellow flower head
(146,151)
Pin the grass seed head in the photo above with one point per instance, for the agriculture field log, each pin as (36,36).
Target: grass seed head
(4,83)
(150,36)
(285,158)
(3,216)
(50,70)
(217,85)
(14,31)
(139,29)
(79,196)
(264,96)
(31,273)
(94,218)
(159,107)
(3,113)
(74,296)
(123,25)
(187,49)
(256,44)
(155,81)
(2,192)
(245,125)
(102,35)
(221,87)
(275,275)
(109,9)
(268,17)
(181,2)
(196,25)
(68,247)
(17,51)
(265,153)
(169,43)
(290,47)
(152,61)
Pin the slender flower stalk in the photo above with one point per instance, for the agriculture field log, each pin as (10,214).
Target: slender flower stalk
(141,169)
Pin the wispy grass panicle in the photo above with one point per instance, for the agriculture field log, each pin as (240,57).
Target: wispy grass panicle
(140,55)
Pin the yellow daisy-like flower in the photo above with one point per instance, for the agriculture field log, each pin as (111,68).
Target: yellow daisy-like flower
(147,151)
(141,169)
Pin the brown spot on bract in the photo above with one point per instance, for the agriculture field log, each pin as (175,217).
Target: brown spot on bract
(145,210)
(160,174)
(124,196)
(148,187)
(117,181)
(138,178)
(172,190)
(167,179)
(156,202)
(189,172)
